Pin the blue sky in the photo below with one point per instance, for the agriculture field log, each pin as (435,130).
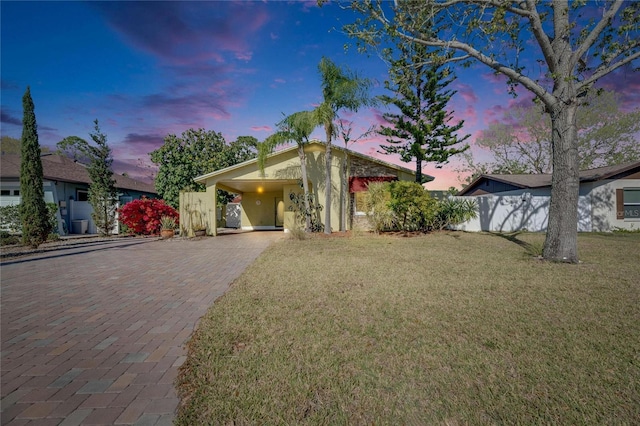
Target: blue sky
(147,69)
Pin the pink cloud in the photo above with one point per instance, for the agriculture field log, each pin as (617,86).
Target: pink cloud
(467,93)
(261,128)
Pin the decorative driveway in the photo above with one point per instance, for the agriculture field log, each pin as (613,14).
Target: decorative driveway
(95,333)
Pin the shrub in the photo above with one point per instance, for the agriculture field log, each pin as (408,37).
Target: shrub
(10,218)
(454,211)
(143,216)
(379,213)
(412,206)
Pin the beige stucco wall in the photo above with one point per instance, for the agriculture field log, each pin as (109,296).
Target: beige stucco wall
(262,215)
(285,168)
(197,207)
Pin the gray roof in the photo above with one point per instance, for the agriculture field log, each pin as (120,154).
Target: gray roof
(544,180)
(64,169)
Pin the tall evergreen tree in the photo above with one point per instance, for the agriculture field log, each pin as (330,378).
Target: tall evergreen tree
(422,130)
(33,210)
(102,190)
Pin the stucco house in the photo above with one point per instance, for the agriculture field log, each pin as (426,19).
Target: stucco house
(66,183)
(266,196)
(609,199)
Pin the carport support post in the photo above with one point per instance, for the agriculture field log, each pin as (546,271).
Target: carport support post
(213,222)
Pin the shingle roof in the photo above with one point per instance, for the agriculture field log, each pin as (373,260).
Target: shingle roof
(543,180)
(64,169)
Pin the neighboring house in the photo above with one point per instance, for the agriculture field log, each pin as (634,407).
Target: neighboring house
(266,202)
(66,183)
(609,199)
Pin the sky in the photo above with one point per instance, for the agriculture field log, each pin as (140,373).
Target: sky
(149,69)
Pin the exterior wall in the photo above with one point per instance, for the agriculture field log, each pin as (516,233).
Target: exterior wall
(285,168)
(603,199)
(515,210)
(197,208)
(259,210)
(289,213)
(508,213)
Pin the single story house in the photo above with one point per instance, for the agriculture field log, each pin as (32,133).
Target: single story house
(266,195)
(609,199)
(66,183)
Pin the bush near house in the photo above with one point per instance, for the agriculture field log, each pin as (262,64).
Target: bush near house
(144,216)
(407,206)
(12,225)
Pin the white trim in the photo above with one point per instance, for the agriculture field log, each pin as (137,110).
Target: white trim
(260,228)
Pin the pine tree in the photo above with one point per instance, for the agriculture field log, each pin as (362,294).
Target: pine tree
(102,191)
(33,210)
(421,130)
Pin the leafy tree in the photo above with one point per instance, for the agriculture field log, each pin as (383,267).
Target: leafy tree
(606,136)
(341,90)
(33,210)
(422,130)
(297,128)
(572,45)
(522,142)
(9,145)
(102,191)
(196,152)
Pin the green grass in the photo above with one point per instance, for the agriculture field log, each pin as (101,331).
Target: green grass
(447,328)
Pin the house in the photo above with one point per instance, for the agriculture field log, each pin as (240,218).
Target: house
(66,183)
(267,196)
(609,199)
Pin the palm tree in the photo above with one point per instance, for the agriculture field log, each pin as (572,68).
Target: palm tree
(297,128)
(341,89)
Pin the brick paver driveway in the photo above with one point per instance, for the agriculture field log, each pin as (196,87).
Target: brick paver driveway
(94,334)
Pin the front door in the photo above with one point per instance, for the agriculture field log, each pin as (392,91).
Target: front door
(279,213)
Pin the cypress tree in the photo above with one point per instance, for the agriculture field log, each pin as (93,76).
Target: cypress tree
(33,210)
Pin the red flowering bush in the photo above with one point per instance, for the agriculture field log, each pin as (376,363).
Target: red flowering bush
(143,216)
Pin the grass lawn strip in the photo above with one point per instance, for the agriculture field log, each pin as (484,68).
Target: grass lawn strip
(445,328)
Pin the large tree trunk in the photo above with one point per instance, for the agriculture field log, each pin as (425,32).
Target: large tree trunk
(419,170)
(561,243)
(327,182)
(305,188)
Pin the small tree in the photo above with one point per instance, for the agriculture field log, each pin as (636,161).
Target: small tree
(33,210)
(297,128)
(102,190)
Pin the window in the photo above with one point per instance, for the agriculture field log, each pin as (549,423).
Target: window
(628,203)
(16,192)
(82,195)
(5,192)
(360,206)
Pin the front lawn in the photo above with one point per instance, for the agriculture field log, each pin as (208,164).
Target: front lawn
(448,328)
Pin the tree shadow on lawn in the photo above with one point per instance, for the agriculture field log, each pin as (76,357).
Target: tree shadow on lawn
(532,249)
